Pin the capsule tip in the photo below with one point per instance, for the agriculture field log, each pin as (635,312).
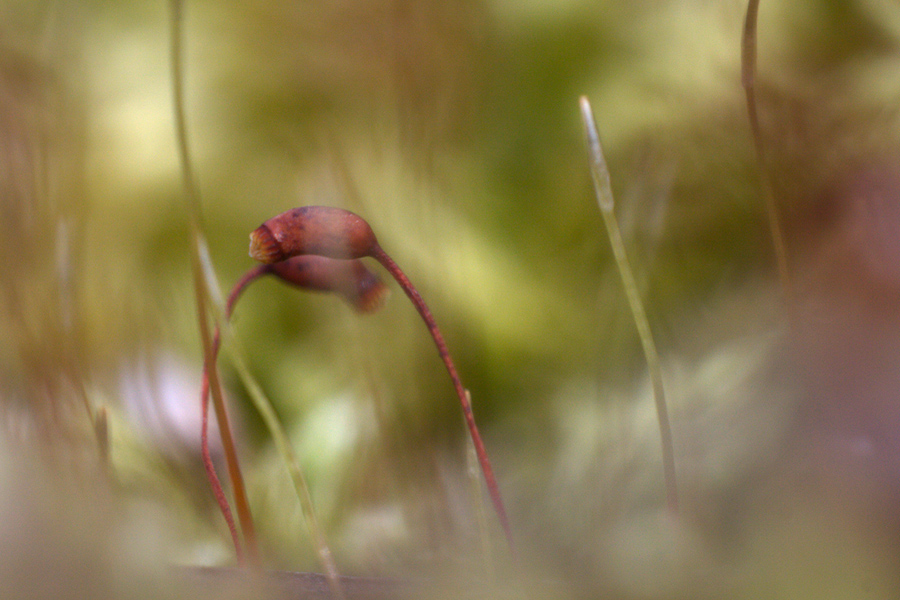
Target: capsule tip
(372,293)
(264,247)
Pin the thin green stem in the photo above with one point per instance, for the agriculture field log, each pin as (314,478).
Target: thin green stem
(283,445)
(603,190)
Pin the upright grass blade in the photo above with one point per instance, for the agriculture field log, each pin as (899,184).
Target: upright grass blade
(205,314)
(283,445)
(603,190)
(748,81)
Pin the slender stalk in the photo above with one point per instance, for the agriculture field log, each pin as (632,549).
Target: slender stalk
(211,474)
(472,468)
(241,285)
(204,314)
(603,190)
(283,445)
(493,489)
(208,465)
(361,289)
(748,81)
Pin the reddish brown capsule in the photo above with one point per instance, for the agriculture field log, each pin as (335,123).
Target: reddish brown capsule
(350,279)
(318,230)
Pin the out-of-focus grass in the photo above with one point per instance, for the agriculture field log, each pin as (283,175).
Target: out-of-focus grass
(453,128)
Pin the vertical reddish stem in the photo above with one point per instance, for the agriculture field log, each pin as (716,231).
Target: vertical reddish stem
(211,474)
(493,489)
(234,471)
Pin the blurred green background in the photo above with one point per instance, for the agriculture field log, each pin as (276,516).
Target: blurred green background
(453,128)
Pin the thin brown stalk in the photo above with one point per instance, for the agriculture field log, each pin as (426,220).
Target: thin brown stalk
(208,465)
(204,313)
(493,489)
(748,81)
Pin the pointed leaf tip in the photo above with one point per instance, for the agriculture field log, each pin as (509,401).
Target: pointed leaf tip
(599,170)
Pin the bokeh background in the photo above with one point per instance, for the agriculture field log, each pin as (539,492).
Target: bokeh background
(453,128)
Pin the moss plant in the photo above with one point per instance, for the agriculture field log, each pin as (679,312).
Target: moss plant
(338,233)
